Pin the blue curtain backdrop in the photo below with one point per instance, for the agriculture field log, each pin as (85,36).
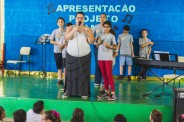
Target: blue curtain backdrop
(26,20)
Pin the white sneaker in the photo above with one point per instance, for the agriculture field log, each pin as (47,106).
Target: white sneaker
(96,85)
(64,96)
(84,97)
(62,89)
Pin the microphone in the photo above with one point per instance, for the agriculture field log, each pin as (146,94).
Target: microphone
(79,23)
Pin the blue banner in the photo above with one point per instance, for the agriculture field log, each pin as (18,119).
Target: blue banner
(25,21)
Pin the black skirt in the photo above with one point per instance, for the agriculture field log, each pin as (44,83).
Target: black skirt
(78,75)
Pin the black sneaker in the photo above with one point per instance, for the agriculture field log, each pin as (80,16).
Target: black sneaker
(101,93)
(103,96)
(139,77)
(120,77)
(143,78)
(112,97)
(60,82)
(129,78)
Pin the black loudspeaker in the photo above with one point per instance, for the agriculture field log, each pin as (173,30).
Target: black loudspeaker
(178,103)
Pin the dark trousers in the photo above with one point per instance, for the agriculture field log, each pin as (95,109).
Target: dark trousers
(98,74)
(142,73)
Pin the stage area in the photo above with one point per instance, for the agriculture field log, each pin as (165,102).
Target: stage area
(23,91)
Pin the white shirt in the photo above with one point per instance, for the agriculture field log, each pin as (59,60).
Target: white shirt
(33,117)
(78,45)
